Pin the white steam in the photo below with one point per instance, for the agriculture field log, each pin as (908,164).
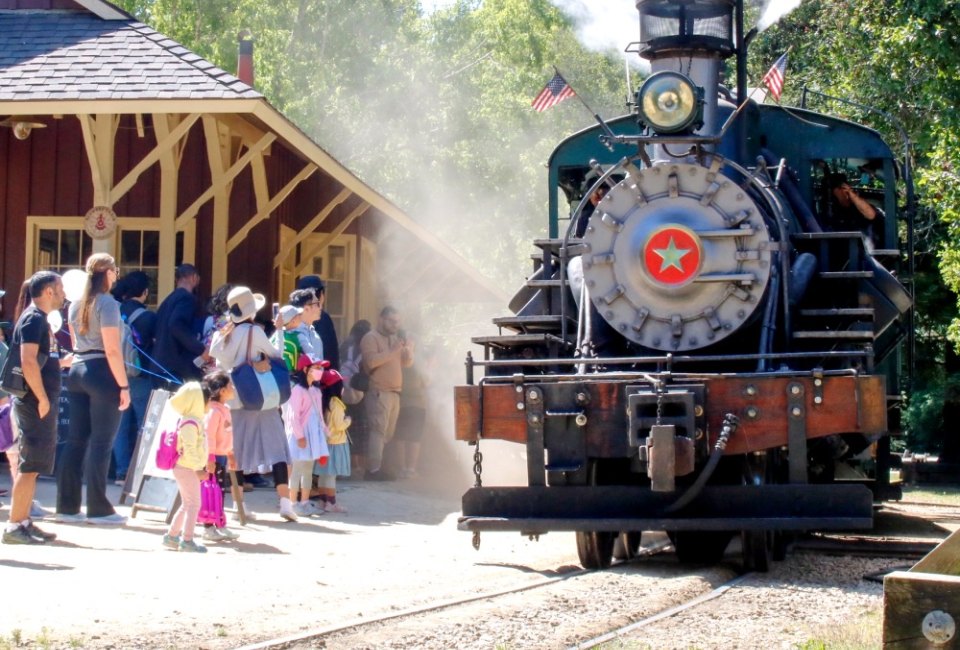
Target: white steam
(774,10)
(603,25)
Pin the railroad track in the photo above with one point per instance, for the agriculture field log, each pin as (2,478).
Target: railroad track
(854,545)
(313,637)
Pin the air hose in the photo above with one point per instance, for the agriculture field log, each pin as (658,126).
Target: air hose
(730,424)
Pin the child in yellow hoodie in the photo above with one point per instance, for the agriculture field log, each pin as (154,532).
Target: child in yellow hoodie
(191,467)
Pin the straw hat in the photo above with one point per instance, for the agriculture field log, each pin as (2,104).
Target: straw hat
(244,304)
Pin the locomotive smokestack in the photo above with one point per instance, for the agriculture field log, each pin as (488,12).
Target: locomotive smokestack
(691,37)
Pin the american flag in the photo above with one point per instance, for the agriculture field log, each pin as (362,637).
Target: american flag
(556,90)
(775,76)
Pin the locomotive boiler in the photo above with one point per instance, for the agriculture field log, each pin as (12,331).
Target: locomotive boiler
(704,347)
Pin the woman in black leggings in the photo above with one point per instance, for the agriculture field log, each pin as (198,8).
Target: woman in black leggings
(98,390)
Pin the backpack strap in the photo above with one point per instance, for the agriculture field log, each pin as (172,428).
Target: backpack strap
(135,314)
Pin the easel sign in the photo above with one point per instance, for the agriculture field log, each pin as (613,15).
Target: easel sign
(153,489)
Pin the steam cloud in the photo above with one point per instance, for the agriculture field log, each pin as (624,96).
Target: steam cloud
(603,25)
(774,11)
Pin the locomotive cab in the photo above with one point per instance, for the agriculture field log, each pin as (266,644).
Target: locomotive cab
(700,351)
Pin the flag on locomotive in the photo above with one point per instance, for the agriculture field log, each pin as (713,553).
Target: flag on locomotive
(775,76)
(556,90)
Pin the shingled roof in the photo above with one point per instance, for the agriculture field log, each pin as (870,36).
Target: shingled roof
(60,55)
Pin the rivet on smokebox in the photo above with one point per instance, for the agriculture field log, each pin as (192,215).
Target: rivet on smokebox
(796,411)
(818,400)
(520,406)
(795,389)
(698,410)
(751,390)
(533,396)
(534,419)
(752,412)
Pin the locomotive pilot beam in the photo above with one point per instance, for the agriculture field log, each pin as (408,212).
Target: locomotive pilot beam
(705,351)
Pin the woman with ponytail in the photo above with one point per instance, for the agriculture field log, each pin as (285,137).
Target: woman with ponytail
(98,390)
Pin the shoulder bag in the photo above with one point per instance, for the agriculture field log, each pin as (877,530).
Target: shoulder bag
(261,385)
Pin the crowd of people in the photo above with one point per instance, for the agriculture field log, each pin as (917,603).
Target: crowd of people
(339,420)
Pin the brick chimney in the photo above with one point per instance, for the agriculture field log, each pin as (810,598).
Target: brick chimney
(245,58)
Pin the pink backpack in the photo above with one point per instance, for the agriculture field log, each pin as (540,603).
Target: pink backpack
(167,453)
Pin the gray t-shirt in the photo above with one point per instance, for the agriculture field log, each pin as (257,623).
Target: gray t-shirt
(105,313)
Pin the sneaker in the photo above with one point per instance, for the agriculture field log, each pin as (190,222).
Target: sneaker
(336,508)
(171,542)
(286,510)
(190,546)
(35,531)
(20,536)
(64,518)
(37,511)
(212,534)
(107,520)
(226,533)
(301,509)
(316,508)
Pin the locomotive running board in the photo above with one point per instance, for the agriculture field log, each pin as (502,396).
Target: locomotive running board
(538,509)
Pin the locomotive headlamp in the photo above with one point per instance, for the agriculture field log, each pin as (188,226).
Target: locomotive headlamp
(670,103)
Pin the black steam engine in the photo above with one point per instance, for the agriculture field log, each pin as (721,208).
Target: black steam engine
(712,345)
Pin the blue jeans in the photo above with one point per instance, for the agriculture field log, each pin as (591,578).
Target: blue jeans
(131,421)
(94,416)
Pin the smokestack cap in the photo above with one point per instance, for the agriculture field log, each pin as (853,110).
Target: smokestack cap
(671,28)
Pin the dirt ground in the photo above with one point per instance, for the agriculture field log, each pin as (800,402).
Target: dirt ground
(397,547)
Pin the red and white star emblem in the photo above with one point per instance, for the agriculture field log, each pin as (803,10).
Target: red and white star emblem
(672,255)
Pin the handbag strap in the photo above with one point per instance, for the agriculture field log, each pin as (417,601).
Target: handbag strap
(249,345)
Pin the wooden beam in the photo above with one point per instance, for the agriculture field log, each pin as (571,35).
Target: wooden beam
(945,558)
(246,131)
(274,203)
(130,106)
(261,187)
(308,230)
(912,599)
(307,259)
(228,176)
(128,181)
(163,126)
(218,157)
(98,173)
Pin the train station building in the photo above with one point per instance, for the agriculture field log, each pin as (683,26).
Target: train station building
(115,138)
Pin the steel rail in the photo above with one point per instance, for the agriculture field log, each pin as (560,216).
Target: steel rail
(659,616)
(313,635)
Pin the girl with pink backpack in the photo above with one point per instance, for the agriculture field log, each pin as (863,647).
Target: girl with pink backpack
(191,466)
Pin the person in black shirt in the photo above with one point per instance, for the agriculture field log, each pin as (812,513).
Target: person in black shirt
(131,292)
(849,212)
(35,412)
(177,348)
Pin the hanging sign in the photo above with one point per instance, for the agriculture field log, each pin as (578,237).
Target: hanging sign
(100,222)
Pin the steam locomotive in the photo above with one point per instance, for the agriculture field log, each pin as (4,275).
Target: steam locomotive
(708,348)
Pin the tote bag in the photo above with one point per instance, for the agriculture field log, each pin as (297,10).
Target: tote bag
(261,385)
(211,503)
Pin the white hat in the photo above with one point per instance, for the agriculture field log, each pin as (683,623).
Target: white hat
(287,314)
(244,304)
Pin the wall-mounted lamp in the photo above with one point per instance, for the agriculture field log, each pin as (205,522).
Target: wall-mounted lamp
(22,126)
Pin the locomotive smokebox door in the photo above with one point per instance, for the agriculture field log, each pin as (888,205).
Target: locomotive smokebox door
(662,457)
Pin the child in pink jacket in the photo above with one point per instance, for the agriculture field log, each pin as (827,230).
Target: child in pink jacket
(306,431)
(218,390)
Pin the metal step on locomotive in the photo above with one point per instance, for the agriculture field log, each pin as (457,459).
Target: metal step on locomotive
(707,349)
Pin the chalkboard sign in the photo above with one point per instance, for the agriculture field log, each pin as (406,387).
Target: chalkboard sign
(152,488)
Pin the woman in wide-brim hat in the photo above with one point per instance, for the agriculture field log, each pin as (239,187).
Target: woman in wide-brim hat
(258,436)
